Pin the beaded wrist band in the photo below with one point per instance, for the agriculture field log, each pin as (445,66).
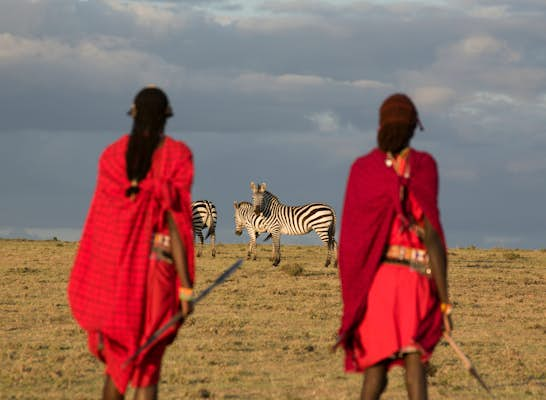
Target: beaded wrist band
(446,308)
(185,294)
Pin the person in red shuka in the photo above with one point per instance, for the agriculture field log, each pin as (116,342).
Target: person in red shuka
(134,268)
(392,257)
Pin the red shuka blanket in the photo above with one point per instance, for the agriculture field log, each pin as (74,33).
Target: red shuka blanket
(107,287)
(372,200)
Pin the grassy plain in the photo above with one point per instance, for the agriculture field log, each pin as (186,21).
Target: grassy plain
(266,332)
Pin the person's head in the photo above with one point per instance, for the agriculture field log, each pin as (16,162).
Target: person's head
(398,118)
(150,111)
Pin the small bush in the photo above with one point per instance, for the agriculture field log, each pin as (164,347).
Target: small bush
(292,269)
(512,256)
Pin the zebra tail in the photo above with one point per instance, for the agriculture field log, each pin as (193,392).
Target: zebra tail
(267,237)
(211,230)
(331,234)
(212,227)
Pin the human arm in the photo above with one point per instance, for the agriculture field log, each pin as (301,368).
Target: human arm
(181,263)
(438,264)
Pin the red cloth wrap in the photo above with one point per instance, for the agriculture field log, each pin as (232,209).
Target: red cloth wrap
(115,289)
(372,200)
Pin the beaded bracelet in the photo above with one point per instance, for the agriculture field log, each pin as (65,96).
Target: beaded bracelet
(446,308)
(185,294)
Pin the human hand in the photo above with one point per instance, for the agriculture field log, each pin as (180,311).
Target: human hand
(186,300)
(187,308)
(446,310)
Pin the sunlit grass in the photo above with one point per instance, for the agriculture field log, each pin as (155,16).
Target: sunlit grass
(266,332)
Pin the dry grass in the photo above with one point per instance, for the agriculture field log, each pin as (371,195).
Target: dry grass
(265,333)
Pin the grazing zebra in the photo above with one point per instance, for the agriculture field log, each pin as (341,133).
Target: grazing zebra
(246,218)
(204,216)
(294,220)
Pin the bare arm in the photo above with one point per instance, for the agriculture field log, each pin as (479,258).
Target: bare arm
(438,260)
(438,264)
(180,262)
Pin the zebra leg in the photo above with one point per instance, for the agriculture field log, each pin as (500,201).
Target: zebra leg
(213,244)
(330,245)
(335,254)
(251,254)
(332,250)
(329,242)
(276,248)
(200,248)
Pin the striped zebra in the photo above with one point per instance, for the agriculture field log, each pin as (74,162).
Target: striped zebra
(204,216)
(254,225)
(294,220)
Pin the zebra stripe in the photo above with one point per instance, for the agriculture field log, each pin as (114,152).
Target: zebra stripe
(246,218)
(294,220)
(204,217)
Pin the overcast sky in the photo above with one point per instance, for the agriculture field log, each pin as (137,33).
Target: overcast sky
(282,92)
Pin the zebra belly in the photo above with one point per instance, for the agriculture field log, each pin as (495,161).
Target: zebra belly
(294,231)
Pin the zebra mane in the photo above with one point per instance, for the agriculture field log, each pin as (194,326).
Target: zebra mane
(271,196)
(244,206)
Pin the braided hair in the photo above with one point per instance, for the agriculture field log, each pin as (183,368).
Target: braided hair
(150,111)
(398,119)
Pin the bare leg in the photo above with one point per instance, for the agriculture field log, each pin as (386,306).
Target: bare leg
(146,393)
(416,380)
(109,391)
(375,381)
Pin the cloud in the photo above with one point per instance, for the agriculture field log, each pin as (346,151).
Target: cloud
(529,165)
(490,12)
(155,17)
(482,46)
(297,81)
(326,121)
(433,96)
(101,63)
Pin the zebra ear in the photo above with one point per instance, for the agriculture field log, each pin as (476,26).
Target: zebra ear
(235,204)
(262,187)
(253,186)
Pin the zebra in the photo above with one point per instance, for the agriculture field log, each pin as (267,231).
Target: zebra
(204,216)
(294,220)
(246,218)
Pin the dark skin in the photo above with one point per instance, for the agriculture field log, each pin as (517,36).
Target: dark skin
(375,377)
(110,392)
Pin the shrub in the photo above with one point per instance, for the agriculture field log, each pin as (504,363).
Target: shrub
(292,269)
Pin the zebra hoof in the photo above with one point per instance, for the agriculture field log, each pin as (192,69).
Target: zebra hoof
(198,255)
(213,254)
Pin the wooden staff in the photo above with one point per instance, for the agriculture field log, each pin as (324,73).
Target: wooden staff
(466,362)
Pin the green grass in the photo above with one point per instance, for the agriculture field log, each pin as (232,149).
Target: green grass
(265,333)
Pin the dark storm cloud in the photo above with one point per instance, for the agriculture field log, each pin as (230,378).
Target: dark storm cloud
(283,92)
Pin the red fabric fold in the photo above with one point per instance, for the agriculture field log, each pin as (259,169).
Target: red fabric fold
(108,287)
(372,200)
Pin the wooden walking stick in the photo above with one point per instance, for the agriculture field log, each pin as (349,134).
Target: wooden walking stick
(466,362)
